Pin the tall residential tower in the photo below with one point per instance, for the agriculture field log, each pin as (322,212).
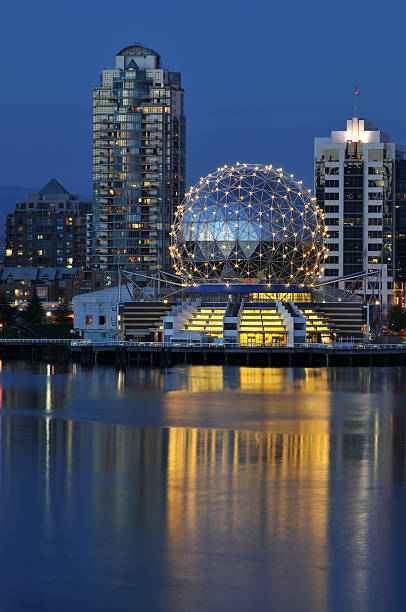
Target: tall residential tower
(357,186)
(139,151)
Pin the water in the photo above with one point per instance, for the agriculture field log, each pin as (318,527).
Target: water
(202,488)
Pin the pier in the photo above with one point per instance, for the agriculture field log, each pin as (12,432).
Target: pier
(158,354)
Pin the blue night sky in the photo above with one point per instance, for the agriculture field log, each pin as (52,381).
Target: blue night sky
(261,79)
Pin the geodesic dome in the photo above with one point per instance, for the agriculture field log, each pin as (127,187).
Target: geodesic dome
(248,221)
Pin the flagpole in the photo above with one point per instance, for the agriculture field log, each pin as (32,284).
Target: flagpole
(356,94)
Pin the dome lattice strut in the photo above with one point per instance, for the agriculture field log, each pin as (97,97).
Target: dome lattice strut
(248,221)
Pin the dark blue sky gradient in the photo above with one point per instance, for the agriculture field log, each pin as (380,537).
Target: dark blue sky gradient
(261,79)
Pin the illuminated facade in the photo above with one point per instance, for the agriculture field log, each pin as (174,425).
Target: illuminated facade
(48,229)
(248,221)
(355,180)
(138,162)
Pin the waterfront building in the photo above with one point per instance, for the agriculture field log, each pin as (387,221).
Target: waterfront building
(48,229)
(95,314)
(139,152)
(360,185)
(247,247)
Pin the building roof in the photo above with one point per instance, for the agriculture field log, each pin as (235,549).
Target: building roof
(102,295)
(53,187)
(137,49)
(34,273)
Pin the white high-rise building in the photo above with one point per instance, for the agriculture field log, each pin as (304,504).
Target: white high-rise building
(355,184)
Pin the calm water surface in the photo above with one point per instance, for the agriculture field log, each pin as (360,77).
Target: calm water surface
(202,488)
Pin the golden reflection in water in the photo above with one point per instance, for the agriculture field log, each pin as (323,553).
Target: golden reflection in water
(255,473)
(237,484)
(277,480)
(198,379)
(202,378)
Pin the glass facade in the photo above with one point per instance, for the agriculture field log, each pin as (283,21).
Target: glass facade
(139,162)
(400,228)
(353,214)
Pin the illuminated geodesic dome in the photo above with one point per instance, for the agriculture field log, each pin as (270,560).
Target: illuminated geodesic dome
(248,221)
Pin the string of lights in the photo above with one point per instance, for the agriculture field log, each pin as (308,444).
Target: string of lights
(248,221)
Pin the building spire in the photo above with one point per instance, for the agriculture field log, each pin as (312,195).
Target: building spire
(356,94)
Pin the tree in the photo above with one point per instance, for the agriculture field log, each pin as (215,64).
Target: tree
(34,312)
(62,312)
(397,318)
(8,313)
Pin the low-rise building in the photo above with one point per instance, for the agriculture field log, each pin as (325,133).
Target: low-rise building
(95,314)
(51,284)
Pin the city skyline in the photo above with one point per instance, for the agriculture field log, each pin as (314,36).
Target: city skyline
(262,100)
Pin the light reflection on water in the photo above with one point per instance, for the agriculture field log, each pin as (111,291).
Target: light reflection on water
(207,488)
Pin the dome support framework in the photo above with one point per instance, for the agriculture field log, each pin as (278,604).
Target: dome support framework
(248,222)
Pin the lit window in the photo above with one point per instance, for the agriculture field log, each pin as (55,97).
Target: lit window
(89,319)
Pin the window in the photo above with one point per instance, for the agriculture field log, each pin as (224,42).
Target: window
(42,292)
(89,319)
(332,183)
(332,196)
(332,246)
(331,272)
(332,170)
(333,234)
(102,320)
(375,155)
(374,246)
(375,196)
(332,221)
(331,209)
(333,259)
(330,155)
(375,170)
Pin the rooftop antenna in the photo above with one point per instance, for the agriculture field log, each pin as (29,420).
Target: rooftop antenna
(356,94)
